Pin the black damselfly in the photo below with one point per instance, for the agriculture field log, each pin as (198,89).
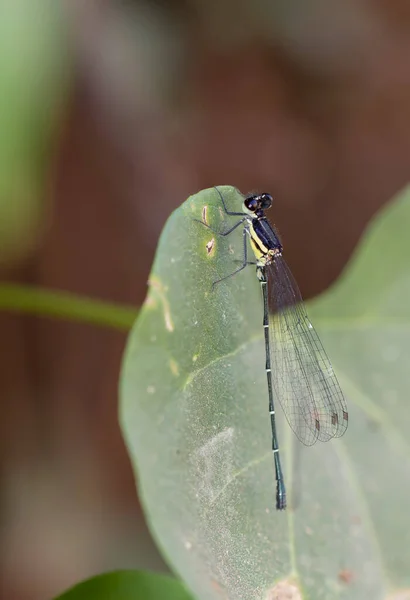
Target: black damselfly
(299,373)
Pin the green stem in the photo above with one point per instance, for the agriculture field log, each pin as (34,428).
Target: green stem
(63,305)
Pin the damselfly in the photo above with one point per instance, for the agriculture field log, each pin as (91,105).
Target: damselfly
(299,373)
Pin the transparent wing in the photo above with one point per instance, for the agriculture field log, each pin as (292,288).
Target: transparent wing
(303,378)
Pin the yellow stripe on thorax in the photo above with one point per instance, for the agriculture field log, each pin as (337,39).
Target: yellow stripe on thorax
(259,249)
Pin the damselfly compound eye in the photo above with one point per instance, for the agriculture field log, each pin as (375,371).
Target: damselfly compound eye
(252,203)
(265,201)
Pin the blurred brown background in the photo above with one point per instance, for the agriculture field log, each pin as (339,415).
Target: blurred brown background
(112,113)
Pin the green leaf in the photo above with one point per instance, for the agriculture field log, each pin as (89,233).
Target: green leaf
(65,305)
(34,69)
(127,585)
(194,416)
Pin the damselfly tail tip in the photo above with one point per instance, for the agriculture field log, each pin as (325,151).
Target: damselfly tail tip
(280,496)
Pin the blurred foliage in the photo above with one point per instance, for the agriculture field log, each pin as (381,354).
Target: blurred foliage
(63,305)
(34,75)
(194,416)
(127,585)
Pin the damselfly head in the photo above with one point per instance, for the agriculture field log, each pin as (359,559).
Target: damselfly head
(257,203)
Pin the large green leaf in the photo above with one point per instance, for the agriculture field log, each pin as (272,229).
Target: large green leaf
(127,585)
(194,416)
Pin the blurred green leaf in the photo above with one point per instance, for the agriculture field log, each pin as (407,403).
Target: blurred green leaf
(65,305)
(33,85)
(128,585)
(194,416)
